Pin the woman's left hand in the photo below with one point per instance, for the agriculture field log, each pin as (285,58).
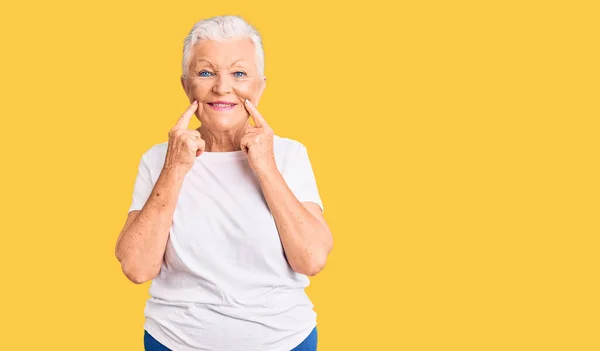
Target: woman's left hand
(257,143)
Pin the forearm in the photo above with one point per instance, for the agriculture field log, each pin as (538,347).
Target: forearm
(142,244)
(304,238)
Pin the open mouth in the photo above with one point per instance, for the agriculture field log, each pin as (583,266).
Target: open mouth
(221,106)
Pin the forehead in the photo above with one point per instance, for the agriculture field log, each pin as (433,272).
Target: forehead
(223,53)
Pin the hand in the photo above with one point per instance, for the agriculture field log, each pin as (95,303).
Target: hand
(184,144)
(258,142)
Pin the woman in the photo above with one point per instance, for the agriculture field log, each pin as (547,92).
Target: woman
(226,220)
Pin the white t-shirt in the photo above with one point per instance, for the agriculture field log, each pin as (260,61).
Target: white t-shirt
(225,283)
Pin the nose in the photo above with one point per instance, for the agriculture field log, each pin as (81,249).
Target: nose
(223,85)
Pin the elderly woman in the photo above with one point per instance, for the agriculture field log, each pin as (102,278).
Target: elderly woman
(226,220)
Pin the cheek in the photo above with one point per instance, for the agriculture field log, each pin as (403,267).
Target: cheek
(199,90)
(246,89)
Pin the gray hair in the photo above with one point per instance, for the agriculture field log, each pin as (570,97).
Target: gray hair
(221,28)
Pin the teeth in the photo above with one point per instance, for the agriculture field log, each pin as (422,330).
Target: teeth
(222,105)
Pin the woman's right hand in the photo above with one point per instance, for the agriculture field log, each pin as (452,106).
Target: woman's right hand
(184,144)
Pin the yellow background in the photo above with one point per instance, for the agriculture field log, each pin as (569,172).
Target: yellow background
(455,145)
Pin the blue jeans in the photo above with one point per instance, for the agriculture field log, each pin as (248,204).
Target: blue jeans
(309,344)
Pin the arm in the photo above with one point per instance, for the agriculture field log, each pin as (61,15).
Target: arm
(142,242)
(305,236)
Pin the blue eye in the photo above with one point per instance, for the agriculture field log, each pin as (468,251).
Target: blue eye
(243,74)
(201,74)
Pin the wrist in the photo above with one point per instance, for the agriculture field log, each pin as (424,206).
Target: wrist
(173,172)
(267,172)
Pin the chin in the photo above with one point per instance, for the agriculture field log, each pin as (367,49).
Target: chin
(224,122)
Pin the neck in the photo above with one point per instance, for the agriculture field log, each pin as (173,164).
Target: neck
(223,140)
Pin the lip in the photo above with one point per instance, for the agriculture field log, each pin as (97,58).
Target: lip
(221,108)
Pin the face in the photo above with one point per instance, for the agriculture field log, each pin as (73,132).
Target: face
(224,72)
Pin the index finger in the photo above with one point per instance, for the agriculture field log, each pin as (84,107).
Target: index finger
(184,120)
(259,120)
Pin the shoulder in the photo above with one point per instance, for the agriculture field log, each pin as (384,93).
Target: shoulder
(287,146)
(155,154)
(290,154)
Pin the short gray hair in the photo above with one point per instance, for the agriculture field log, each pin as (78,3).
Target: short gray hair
(221,28)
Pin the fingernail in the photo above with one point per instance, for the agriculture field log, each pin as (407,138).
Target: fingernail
(247,101)
(195,102)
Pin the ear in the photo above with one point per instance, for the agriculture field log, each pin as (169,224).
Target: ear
(263,85)
(185,88)
(183,84)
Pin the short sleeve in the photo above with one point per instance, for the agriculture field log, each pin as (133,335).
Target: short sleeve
(143,185)
(301,178)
